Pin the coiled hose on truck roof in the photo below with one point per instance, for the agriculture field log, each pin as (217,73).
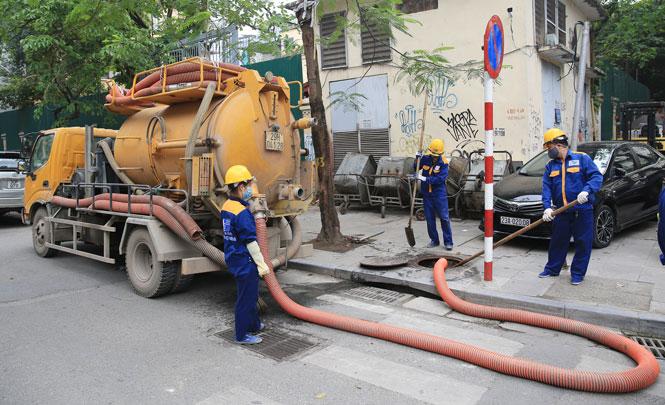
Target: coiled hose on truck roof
(639,377)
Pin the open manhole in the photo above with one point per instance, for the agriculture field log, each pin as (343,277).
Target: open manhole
(429,261)
(656,346)
(277,344)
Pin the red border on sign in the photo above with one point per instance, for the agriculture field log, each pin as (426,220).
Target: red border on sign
(495,20)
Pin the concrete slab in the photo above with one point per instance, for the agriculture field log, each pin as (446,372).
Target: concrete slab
(431,306)
(595,290)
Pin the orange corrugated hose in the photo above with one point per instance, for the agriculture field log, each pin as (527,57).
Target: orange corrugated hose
(639,377)
(643,375)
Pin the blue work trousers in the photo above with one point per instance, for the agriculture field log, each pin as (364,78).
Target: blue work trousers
(579,224)
(247,315)
(436,205)
(661,226)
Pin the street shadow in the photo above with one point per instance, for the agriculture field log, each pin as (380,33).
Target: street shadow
(11,220)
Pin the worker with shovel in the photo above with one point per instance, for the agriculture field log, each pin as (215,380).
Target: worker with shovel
(432,174)
(242,253)
(569,176)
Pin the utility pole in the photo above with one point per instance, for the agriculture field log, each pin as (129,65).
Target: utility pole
(579,97)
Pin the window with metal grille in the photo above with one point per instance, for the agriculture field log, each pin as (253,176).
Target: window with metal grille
(333,51)
(550,18)
(416,6)
(375,42)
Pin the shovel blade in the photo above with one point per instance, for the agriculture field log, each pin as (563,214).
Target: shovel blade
(409,236)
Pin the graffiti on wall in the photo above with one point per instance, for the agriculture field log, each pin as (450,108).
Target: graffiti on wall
(514,113)
(534,142)
(442,97)
(461,126)
(408,119)
(409,146)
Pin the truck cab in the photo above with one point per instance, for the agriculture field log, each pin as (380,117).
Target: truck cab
(56,155)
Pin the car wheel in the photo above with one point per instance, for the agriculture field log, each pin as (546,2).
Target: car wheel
(604,227)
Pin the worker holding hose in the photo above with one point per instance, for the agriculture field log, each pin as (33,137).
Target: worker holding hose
(432,174)
(242,253)
(569,176)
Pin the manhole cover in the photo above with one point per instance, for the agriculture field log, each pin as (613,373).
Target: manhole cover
(377,294)
(657,346)
(277,344)
(384,262)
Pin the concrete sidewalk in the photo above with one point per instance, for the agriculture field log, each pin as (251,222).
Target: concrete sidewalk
(624,287)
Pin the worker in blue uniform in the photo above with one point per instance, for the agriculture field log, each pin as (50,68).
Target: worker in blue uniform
(661,226)
(432,175)
(568,176)
(242,253)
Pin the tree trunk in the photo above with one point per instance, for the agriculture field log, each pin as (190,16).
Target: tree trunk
(330,229)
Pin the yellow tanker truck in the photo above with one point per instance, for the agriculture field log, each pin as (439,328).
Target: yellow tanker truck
(109,195)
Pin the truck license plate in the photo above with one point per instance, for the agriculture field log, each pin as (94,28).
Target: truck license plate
(274,140)
(14,184)
(515,221)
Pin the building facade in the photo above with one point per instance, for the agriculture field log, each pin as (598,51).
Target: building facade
(536,89)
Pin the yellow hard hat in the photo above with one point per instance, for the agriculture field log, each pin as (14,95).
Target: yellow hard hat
(237,174)
(554,133)
(436,147)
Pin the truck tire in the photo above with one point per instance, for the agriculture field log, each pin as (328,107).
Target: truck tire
(181,282)
(149,277)
(41,233)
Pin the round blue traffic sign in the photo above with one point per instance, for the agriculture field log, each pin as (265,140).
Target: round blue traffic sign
(493,47)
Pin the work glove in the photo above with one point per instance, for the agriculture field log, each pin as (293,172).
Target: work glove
(255,251)
(547,215)
(419,155)
(583,197)
(420,176)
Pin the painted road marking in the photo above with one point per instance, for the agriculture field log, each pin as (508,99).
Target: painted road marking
(237,395)
(413,382)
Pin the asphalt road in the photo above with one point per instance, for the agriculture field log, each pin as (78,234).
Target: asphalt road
(72,331)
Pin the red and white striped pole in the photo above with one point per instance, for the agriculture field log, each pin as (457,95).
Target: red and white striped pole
(489,177)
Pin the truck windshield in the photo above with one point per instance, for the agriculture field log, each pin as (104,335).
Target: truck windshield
(41,151)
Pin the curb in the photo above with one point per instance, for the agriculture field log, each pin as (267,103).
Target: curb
(631,322)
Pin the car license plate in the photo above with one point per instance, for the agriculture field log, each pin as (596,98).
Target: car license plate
(14,184)
(515,221)
(274,140)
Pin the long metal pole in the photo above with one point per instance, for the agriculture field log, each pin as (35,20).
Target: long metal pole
(489,177)
(579,97)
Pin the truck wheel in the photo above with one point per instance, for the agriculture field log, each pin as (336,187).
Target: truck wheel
(149,277)
(181,282)
(41,233)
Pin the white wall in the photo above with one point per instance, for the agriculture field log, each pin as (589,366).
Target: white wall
(518,97)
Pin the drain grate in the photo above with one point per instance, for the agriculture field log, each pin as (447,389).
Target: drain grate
(657,346)
(277,344)
(377,294)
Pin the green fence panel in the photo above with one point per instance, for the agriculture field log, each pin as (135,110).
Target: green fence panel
(617,86)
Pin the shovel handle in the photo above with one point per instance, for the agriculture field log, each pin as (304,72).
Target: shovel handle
(519,232)
(420,150)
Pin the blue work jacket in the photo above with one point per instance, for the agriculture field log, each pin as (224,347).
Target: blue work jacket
(239,230)
(435,170)
(562,185)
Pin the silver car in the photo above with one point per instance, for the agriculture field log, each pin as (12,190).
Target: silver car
(11,182)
